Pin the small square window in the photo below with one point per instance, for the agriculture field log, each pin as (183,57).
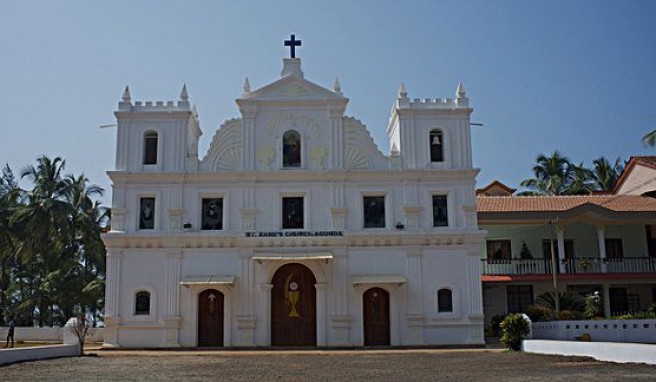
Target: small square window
(440,211)
(212,218)
(374,211)
(292,213)
(147,213)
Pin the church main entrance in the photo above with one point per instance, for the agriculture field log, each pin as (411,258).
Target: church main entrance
(210,318)
(376,316)
(293,307)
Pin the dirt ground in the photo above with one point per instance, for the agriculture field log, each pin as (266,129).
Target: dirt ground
(390,365)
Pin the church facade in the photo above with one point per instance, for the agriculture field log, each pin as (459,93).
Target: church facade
(294,229)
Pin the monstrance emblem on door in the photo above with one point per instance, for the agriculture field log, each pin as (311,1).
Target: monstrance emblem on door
(293,294)
(211,298)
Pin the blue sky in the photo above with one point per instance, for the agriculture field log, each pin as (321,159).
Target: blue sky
(577,76)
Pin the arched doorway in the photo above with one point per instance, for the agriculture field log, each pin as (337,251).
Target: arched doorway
(293,307)
(210,318)
(376,317)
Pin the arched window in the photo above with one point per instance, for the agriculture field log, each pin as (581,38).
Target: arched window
(150,148)
(444,300)
(291,149)
(436,142)
(142,303)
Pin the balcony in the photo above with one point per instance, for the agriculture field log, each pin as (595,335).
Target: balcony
(582,265)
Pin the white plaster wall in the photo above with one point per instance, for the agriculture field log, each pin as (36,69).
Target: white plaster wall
(641,181)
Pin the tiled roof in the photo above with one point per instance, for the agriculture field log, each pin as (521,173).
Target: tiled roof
(647,159)
(618,203)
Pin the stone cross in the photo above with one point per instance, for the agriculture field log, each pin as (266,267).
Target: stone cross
(292,43)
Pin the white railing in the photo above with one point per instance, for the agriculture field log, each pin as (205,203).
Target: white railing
(579,265)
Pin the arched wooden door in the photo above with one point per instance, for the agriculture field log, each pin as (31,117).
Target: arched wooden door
(210,318)
(293,307)
(376,316)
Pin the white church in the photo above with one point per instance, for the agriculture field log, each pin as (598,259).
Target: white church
(294,229)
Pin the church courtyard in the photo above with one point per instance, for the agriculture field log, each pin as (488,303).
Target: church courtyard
(315,365)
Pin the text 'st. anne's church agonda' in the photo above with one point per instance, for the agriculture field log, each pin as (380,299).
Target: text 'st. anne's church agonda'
(294,229)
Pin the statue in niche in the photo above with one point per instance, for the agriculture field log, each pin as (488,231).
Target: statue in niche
(291,149)
(318,153)
(265,156)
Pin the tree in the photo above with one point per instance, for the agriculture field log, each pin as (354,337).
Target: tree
(650,139)
(54,264)
(605,174)
(552,176)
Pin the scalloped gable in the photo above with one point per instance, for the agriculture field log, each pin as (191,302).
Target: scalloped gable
(293,87)
(360,149)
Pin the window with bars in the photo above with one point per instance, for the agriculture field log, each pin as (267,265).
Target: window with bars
(519,298)
(374,211)
(292,212)
(150,148)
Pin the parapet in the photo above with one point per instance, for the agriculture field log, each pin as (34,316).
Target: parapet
(155,106)
(460,102)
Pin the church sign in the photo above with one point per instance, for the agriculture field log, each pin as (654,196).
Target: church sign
(294,233)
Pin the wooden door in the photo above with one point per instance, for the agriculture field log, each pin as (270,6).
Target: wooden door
(376,316)
(210,318)
(293,307)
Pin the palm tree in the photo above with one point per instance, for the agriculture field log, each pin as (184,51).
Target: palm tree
(605,174)
(650,139)
(45,226)
(580,181)
(552,175)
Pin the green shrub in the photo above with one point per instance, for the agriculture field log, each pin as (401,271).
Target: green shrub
(514,328)
(539,313)
(592,306)
(495,323)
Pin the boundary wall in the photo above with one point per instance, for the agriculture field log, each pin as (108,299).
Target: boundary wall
(8,356)
(45,334)
(633,331)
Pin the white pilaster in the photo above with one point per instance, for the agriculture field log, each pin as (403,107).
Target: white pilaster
(171,318)
(266,288)
(112,318)
(413,272)
(321,313)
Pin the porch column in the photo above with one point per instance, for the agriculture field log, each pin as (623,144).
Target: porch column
(560,234)
(606,297)
(601,239)
(321,313)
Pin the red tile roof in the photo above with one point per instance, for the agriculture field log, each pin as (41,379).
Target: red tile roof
(618,203)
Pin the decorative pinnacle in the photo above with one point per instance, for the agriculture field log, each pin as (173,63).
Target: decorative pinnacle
(247,86)
(403,92)
(337,88)
(184,96)
(395,149)
(460,92)
(126,94)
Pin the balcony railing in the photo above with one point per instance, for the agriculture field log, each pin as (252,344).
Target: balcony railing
(582,265)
